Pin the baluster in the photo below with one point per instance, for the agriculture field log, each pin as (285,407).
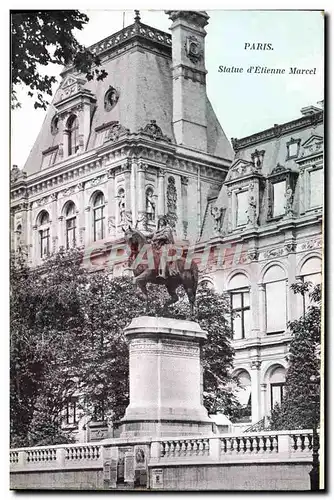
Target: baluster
(310,443)
(184,448)
(223,445)
(162,449)
(172,448)
(200,447)
(248,445)
(177,449)
(260,444)
(206,444)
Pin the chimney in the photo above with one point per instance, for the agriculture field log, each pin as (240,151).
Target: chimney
(189,73)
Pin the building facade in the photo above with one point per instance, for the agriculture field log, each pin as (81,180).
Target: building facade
(146,142)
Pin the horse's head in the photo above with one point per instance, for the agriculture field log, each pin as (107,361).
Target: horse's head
(134,237)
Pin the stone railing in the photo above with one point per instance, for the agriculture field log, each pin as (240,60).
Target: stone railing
(275,446)
(245,447)
(66,456)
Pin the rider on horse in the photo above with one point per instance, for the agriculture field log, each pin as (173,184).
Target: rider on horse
(163,236)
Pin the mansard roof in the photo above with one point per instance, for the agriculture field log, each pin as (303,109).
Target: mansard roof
(138,62)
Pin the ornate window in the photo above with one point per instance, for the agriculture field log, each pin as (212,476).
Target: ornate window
(71,411)
(240,306)
(150,205)
(98,216)
(310,272)
(18,233)
(315,187)
(49,156)
(279,189)
(275,300)
(242,206)
(110,99)
(277,386)
(73,134)
(292,148)
(70,221)
(244,396)
(44,234)
(54,125)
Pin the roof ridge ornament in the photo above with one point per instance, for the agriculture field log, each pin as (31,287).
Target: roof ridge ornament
(137,16)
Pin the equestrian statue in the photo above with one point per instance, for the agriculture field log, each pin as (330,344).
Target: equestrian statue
(165,272)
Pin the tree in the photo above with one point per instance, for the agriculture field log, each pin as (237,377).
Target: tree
(40,38)
(300,408)
(67,339)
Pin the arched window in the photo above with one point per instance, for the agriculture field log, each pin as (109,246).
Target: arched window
(275,299)
(150,205)
(73,135)
(98,216)
(44,233)
(310,272)
(70,221)
(240,304)
(207,284)
(244,396)
(277,384)
(18,237)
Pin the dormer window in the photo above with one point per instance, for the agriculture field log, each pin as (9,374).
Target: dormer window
(292,148)
(279,189)
(242,205)
(73,134)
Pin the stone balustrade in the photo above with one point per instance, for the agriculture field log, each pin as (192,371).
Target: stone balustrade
(275,446)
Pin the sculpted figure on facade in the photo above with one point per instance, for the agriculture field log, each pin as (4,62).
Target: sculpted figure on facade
(121,205)
(252,211)
(172,202)
(150,206)
(217,214)
(288,201)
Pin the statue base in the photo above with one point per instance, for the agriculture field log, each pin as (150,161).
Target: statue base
(165,379)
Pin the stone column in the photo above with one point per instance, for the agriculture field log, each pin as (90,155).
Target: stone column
(255,381)
(111,204)
(81,223)
(161,192)
(88,226)
(126,169)
(141,206)
(165,379)
(262,309)
(54,224)
(263,409)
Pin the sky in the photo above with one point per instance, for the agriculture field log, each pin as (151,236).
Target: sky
(244,103)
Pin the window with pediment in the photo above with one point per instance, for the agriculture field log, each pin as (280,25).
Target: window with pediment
(242,206)
(293,147)
(316,188)
(281,191)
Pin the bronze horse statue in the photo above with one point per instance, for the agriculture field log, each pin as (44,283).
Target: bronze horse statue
(182,274)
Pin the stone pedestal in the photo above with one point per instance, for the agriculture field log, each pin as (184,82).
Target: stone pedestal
(165,379)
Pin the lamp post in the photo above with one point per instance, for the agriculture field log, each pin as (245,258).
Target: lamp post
(314,472)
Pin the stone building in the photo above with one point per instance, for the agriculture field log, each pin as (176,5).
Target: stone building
(146,142)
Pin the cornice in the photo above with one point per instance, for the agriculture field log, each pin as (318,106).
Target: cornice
(277,131)
(137,32)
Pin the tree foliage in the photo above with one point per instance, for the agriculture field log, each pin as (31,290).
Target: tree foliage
(67,339)
(40,38)
(300,408)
